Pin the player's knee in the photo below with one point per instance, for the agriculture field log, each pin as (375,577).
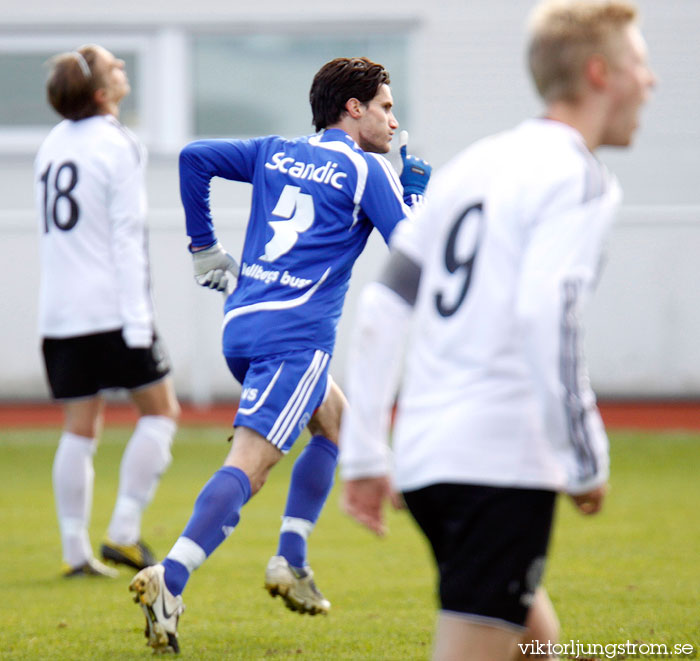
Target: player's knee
(86,430)
(254,455)
(542,622)
(327,428)
(172,410)
(326,420)
(157,400)
(87,426)
(169,407)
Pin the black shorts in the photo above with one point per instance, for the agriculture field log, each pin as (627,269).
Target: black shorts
(489,543)
(82,366)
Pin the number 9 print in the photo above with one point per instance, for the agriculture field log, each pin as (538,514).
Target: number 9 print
(473,214)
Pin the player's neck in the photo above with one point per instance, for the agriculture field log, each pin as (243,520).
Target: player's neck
(112,109)
(348,125)
(586,118)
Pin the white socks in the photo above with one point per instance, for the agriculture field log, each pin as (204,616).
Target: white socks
(73,477)
(145,459)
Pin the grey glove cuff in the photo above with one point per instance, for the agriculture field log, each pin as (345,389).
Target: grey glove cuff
(213,258)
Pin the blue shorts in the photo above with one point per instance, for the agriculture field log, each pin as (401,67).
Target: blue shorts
(280,393)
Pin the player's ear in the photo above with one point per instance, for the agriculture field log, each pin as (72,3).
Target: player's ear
(354,108)
(596,72)
(100,96)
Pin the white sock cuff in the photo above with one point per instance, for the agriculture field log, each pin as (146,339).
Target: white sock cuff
(158,425)
(301,527)
(156,430)
(187,553)
(82,444)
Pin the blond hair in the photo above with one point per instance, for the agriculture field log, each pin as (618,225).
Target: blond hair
(563,34)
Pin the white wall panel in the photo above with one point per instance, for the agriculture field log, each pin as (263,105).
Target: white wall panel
(468,79)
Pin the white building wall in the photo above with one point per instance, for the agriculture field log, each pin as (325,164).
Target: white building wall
(468,79)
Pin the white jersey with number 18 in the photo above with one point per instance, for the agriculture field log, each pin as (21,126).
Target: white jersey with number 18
(91,203)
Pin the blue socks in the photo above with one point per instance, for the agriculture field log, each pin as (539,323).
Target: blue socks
(216,513)
(217,508)
(312,480)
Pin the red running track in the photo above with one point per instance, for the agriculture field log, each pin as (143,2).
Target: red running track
(49,415)
(647,415)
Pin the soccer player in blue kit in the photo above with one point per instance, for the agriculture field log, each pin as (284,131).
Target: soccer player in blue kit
(315,201)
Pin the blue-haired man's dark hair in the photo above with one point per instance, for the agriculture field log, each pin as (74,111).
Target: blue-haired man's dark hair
(342,79)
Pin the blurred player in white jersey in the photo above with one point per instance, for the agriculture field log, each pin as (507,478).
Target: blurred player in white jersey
(95,310)
(495,412)
(315,201)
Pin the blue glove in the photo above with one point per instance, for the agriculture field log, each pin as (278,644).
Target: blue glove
(415,174)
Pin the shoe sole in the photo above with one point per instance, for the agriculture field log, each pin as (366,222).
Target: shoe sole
(115,556)
(291,601)
(80,573)
(162,641)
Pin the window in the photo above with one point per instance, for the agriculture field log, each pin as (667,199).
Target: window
(188,84)
(249,85)
(25,114)
(25,74)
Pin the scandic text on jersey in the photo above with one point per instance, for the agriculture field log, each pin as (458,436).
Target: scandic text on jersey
(322,174)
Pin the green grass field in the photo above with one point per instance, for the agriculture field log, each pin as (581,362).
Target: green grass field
(631,573)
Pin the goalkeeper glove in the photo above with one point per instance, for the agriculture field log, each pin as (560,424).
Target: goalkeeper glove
(415,173)
(214,267)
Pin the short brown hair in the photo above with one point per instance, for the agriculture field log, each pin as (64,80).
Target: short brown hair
(342,79)
(564,34)
(70,88)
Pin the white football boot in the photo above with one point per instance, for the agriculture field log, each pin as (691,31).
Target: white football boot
(161,608)
(295,586)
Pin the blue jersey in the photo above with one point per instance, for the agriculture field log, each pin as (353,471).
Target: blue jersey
(315,201)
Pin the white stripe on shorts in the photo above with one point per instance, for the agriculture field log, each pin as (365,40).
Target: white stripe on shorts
(282,419)
(291,414)
(263,397)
